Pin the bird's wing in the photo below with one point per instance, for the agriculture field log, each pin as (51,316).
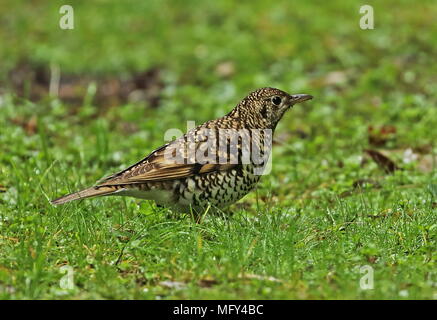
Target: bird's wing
(175,160)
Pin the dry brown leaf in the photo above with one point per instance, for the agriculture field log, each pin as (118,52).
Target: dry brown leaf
(207,283)
(30,126)
(382,161)
(380,136)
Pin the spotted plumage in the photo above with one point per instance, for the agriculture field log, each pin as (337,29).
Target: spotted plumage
(214,164)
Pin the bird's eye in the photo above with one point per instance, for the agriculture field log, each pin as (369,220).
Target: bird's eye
(276,100)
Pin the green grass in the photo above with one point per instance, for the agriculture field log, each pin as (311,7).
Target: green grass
(306,231)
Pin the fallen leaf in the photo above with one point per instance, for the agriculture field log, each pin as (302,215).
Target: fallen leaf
(380,136)
(382,161)
(371,259)
(29,126)
(207,283)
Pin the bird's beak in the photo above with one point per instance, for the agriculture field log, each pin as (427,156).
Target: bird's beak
(296,98)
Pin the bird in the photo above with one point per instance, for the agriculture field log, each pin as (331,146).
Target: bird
(213,165)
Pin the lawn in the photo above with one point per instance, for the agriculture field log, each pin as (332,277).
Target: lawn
(349,210)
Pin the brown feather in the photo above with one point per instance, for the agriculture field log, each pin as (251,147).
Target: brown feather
(86,193)
(157,166)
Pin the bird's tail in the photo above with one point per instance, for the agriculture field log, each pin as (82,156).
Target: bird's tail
(86,193)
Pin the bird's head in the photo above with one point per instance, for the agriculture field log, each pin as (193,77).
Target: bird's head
(269,105)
